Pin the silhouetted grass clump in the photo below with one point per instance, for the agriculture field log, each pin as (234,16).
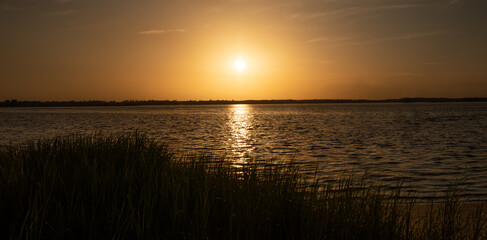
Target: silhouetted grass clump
(130,187)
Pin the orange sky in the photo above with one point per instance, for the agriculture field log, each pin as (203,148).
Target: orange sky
(183,49)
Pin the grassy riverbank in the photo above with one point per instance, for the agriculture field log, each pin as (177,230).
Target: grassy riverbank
(127,186)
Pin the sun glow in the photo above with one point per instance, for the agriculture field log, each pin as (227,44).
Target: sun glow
(239,64)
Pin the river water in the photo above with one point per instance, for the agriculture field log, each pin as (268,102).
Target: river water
(424,145)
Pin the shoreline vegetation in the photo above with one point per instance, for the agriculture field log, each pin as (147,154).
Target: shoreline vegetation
(131,187)
(16,103)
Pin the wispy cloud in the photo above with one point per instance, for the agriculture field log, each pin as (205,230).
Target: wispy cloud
(325,61)
(271,7)
(412,36)
(434,63)
(405,74)
(162,31)
(6,7)
(329,39)
(452,2)
(347,41)
(63,1)
(61,13)
(350,11)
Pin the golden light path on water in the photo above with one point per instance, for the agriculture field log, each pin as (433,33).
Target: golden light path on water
(240,124)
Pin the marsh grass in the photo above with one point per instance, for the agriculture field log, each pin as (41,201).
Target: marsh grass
(130,187)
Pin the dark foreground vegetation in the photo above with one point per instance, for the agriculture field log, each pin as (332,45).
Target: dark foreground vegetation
(129,187)
(16,103)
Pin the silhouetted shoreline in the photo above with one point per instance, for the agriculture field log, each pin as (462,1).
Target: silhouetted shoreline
(16,103)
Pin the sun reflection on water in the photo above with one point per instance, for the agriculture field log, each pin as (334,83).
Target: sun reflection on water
(240,137)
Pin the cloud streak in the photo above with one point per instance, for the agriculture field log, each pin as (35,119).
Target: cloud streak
(9,8)
(453,2)
(434,63)
(351,11)
(348,41)
(63,1)
(329,39)
(412,36)
(161,31)
(61,13)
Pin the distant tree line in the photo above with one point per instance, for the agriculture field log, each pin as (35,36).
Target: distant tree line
(16,103)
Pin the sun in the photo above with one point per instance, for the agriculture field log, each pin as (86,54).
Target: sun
(239,64)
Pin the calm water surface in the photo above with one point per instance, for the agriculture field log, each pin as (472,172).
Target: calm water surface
(426,145)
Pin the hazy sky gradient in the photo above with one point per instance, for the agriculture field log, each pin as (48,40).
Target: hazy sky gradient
(182,49)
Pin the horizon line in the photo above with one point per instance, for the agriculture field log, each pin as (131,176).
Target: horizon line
(34,103)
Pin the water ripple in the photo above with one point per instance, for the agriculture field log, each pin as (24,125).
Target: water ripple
(424,145)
